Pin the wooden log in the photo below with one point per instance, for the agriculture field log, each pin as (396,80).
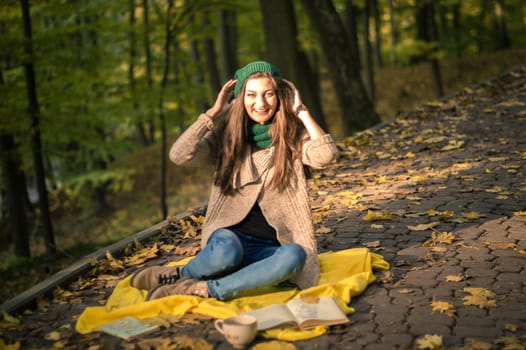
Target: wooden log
(72,272)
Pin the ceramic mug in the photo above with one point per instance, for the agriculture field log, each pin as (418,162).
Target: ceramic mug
(238,330)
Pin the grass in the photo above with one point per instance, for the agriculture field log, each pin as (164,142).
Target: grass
(398,89)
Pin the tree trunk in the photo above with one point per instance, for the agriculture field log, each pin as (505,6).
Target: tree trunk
(228,43)
(162,118)
(427,32)
(36,143)
(141,130)
(435,67)
(422,30)
(211,60)
(355,106)
(351,13)
(279,22)
(456,30)
(377,33)
(197,75)
(394,31)
(481,29)
(195,56)
(15,192)
(368,59)
(148,61)
(100,188)
(501,32)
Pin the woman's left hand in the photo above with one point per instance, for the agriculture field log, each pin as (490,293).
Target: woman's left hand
(297,97)
(314,130)
(223,100)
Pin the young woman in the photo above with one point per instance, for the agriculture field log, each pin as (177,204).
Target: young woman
(258,229)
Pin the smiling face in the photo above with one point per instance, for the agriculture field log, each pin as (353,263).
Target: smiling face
(260,99)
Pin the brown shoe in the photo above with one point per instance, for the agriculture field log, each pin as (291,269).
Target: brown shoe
(151,277)
(185,286)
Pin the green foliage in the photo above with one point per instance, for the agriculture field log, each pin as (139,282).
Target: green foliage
(89,114)
(410,48)
(75,193)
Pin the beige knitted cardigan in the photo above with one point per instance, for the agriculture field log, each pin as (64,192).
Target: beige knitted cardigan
(288,212)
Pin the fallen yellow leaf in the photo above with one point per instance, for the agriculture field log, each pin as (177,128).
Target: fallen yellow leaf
(480,297)
(424,227)
(323,230)
(197,219)
(510,327)
(274,345)
(58,345)
(376,216)
(457,278)
(502,245)
(439,249)
(444,237)
(472,215)
(430,341)
(497,159)
(53,335)
(406,291)
(14,346)
(373,244)
(186,342)
(114,263)
(473,344)
(9,319)
(453,145)
(444,308)
(418,139)
(510,343)
(496,189)
(479,291)
(143,255)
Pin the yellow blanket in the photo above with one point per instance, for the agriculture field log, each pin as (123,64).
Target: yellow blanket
(344,274)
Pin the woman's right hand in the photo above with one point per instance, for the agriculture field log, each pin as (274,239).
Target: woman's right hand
(223,100)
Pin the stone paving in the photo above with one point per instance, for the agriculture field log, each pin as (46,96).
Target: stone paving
(440,192)
(459,164)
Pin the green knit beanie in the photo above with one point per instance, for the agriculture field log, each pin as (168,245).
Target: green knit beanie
(257,66)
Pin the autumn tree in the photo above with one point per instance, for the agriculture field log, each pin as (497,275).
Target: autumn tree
(368,51)
(227,43)
(148,61)
(393,31)
(15,194)
(209,51)
(141,128)
(427,32)
(36,143)
(282,49)
(355,106)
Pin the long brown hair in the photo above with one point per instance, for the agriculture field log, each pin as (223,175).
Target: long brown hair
(286,132)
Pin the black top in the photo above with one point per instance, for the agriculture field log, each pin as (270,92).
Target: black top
(256,225)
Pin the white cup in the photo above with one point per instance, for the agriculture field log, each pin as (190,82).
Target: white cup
(238,330)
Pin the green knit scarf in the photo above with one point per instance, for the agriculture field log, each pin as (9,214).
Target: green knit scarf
(258,134)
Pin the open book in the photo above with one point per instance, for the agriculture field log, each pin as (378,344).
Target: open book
(127,328)
(300,313)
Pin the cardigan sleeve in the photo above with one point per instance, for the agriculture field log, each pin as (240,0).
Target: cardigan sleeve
(319,152)
(196,144)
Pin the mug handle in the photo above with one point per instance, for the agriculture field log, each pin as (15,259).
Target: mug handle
(219,326)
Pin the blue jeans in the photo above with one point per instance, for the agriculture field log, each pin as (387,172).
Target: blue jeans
(233,262)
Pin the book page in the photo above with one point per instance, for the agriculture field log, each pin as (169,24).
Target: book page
(325,312)
(127,328)
(273,316)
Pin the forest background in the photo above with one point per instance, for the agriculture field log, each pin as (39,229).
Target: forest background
(92,93)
